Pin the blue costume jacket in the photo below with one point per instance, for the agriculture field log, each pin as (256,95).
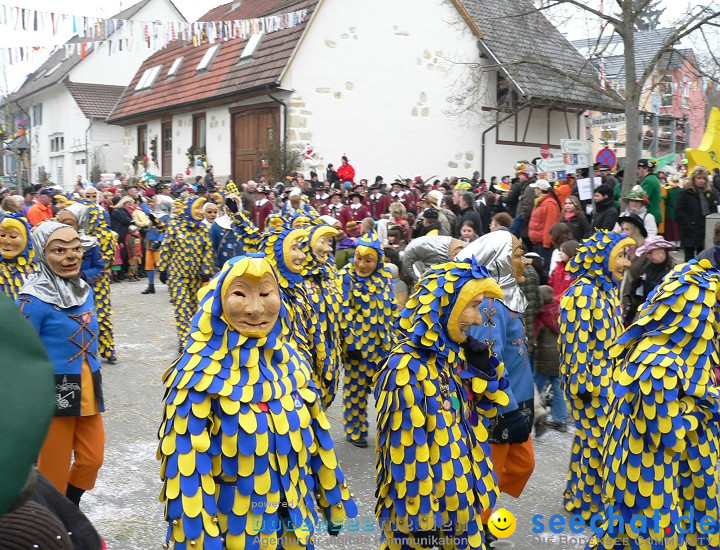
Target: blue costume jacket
(504,332)
(92,265)
(69,335)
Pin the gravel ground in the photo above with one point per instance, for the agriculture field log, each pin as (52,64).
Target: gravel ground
(124,505)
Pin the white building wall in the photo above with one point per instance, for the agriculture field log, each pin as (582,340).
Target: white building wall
(376,87)
(120,67)
(105,144)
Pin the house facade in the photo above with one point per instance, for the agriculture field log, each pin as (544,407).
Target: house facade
(673,100)
(62,107)
(429,94)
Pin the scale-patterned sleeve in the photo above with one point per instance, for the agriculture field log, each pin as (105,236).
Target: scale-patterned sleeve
(247,232)
(167,247)
(189,451)
(486,392)
(404,418)
(584,339)
(208,257)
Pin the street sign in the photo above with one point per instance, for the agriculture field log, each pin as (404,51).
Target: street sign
(575,146)
(606,156)
(582,161)
(552,164)
(545,151)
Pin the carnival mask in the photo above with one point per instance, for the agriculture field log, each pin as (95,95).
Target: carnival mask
(13,238)
(251,304)
(196,210)
(64,253)
(320,243)
(466,311)
(619,261)
(294,257)
(365,260)
(519,261)
(68,218)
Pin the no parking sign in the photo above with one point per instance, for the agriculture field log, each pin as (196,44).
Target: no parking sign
(606,156)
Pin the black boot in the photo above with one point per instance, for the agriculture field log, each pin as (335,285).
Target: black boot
(74,494)
(149,290)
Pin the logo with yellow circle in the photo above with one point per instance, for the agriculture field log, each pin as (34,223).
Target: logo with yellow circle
(502,523)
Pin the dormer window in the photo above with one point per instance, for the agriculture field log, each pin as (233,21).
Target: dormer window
(148,78)
(175,66)
(251,46)
(207,59)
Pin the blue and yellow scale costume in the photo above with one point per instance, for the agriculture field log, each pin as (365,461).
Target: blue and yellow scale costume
(322,284)
(368,315)
(661,447)
(14,271)
(245,444)
(187,257)
(98,228)
(275,244)
(433,465)
(590,320)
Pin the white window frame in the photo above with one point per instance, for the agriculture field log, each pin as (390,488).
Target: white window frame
(175,66)
(206,61)
(252,45)
(148,78)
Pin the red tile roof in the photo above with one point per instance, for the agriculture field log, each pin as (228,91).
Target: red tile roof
(227,77)
(95,100)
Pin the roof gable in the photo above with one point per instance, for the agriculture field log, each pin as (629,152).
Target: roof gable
(95,100)
(534,54)
(228,76)
(39,79)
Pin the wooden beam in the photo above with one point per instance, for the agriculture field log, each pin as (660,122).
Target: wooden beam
(460,7)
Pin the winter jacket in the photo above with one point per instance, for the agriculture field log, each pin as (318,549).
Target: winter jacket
(547,357)
(545,214)
(428,250)
(578,224)
(647,219)
(606,214)
(651,186)
(526,204)
(120,221)
(469,214)
(690,215)
(560,280)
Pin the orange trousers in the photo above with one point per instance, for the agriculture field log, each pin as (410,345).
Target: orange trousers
(81,436)
(513,464)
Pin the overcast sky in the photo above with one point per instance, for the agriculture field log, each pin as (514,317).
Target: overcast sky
(573,25)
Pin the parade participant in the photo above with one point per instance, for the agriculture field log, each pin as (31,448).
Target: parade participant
(59,304)
(651,185)
(321,199)
(186,261)
(502,329)
(244,442)
(210,213)
(354,211)
(375,202)
(161,207)
(321,284)
(263,208)
(661,441)
(590,320)
(435,395)
(636,201)
(367,317)
(335,206)
(18,257)
(89,222)
(423,252)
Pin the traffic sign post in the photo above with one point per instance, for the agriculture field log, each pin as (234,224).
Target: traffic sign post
(606,156)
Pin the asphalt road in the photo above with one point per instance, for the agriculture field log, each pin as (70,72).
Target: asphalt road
(124,505)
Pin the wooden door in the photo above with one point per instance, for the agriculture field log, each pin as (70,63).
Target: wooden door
(252,132)
(166,136)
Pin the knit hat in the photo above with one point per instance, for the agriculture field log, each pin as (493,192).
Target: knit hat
(431,214)
(231,188)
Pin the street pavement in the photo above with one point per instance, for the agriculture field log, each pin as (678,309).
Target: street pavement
(124,505)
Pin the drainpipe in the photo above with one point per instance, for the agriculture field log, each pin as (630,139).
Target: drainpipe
(285,115)
(498,123)
(87,151)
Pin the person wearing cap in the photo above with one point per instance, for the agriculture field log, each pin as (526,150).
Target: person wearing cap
(658,263)
(605,215)
(695,202)
(636,204)
(651,184)
(42,209)
(434,199)
(263,207)
(545,214)
(606,176)
(375,201)
(355,211)
(320,199)
(526,201)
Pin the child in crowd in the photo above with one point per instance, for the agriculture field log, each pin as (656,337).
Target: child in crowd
(133,244)
(547,358)
(116,269)
(560,280)
(468,232)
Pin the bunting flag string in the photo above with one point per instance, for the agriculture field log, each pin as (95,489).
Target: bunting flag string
(127,34)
